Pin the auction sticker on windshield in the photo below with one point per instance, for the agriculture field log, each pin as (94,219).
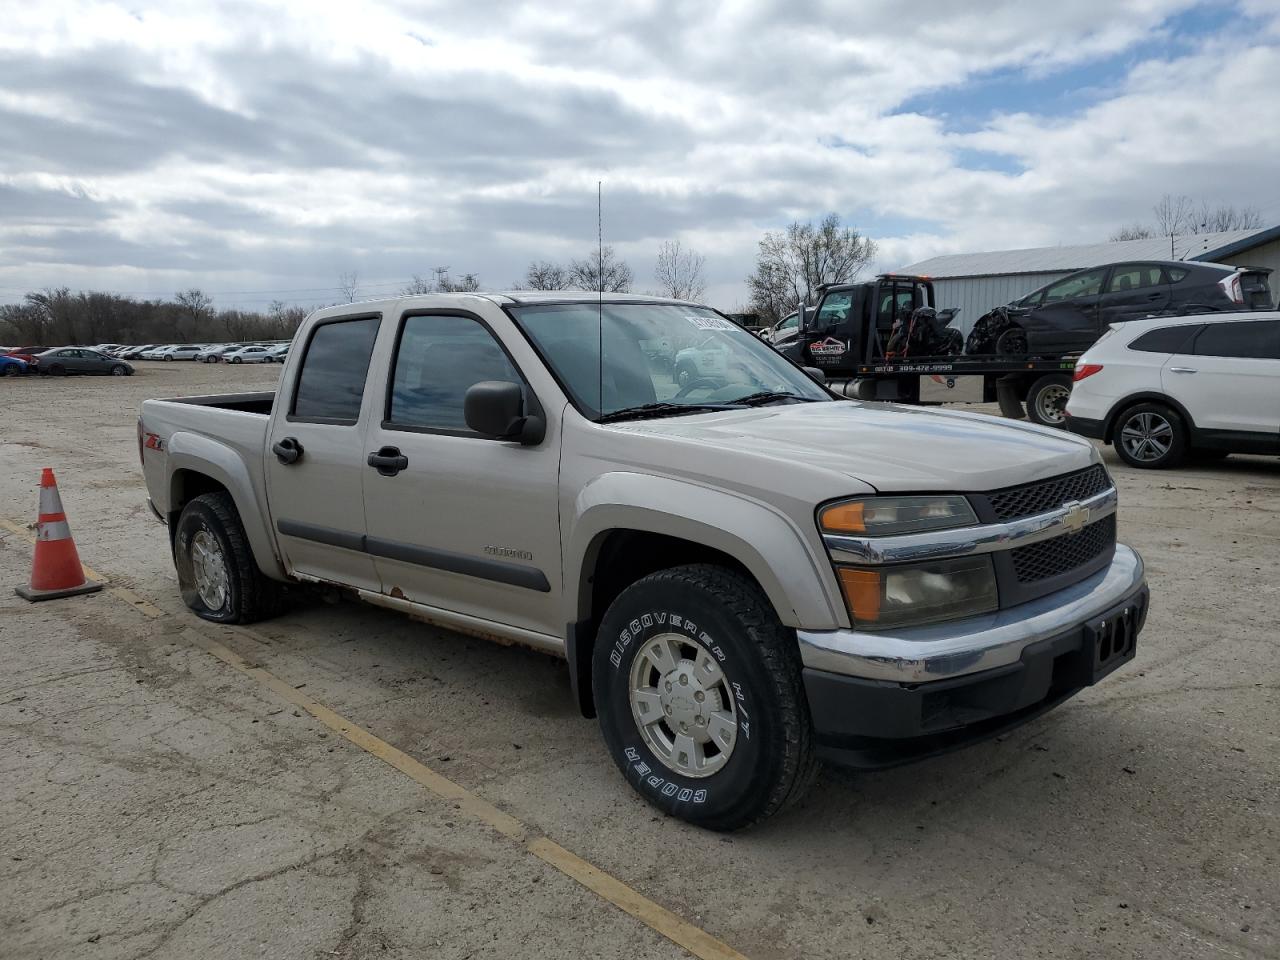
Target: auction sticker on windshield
(711,323)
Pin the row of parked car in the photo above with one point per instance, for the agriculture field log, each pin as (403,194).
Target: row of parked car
(114,358)
(254,352)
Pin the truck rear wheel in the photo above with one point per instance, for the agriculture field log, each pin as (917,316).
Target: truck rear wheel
(698,690)
(1047,400)
(217,575)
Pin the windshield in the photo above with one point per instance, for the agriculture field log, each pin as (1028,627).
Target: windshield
(657,353)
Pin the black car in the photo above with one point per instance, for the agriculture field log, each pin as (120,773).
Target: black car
(63,360)
(1069,315)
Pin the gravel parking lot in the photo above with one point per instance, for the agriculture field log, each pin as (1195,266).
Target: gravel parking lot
(157,802)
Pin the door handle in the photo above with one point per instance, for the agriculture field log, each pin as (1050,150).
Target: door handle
(388,461)
(1154,296)
(287,450)
(1182,370)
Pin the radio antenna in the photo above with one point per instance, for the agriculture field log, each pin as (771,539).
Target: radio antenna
(600,284)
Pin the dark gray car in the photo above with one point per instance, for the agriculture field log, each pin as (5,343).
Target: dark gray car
(64,360)
(1069,315)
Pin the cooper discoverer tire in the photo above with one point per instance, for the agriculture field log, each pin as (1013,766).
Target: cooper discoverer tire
(700,700)
(217,575)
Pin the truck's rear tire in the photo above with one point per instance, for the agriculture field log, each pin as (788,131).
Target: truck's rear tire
(699,695)
(1047,400)
(217,575)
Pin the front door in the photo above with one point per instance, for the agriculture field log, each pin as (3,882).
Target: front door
(1066,320)
(316,457)
(462,523)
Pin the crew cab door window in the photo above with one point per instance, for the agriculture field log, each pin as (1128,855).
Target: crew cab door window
(438,359)
(334,367)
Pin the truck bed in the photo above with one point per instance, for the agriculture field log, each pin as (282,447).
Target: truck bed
(244,402)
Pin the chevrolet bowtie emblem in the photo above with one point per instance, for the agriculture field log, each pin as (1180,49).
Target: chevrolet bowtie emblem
(1076,517)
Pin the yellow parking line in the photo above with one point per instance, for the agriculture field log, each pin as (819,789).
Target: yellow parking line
(679,931)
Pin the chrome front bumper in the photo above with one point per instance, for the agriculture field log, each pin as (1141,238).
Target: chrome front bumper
(941,651)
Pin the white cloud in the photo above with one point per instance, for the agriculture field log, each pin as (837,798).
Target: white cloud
(268,147)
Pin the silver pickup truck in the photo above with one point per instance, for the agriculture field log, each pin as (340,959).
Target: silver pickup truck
(744,572)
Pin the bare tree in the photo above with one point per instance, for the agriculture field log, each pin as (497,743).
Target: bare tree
(349,284)
(417,285)
(1227,217)
(679,272)
(1133,231)
(1180,215)
(1173,214)
(195,309)
(792,264)
(545,275)
(601,270)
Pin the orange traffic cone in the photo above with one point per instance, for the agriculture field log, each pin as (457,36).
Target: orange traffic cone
(56,570)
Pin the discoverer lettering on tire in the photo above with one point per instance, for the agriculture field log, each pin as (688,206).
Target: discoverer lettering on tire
(698,692)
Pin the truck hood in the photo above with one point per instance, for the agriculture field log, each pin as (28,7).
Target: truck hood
(890,447)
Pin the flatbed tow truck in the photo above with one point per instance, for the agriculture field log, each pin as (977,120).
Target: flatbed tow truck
(846,333)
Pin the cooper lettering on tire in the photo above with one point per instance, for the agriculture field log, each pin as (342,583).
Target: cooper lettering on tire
(698,690)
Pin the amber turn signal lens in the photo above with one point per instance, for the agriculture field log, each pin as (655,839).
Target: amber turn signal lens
(861,592)
(844,518)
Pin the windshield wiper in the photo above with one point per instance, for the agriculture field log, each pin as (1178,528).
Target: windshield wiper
(647,411)
(769,396)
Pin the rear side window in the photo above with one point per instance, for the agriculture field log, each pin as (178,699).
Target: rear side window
(1256,339)
(334,368)
(1176,273)
(1166,339)
(438,359)
(1134,276)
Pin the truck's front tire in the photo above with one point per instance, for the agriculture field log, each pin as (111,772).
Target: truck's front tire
(217,575)
(700,700)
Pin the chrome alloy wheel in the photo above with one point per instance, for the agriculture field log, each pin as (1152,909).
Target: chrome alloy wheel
(683,705)
(209,570)
(1147,436)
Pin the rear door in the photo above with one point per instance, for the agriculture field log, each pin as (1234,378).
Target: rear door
(1134,291)
(468,524)
(317,497)
(1229,380)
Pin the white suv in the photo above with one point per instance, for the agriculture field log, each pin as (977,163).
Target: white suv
(1162,388)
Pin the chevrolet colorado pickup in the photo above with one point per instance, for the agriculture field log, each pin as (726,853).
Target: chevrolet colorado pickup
(744,572)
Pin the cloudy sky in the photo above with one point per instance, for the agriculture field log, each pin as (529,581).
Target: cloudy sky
(260,151)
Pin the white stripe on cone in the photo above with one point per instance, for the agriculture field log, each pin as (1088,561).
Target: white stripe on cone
(50,502)
(54,530)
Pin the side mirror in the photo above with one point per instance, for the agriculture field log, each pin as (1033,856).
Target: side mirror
(803,315)
(495,409)
(816,375)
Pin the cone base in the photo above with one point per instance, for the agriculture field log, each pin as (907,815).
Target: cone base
(34,596)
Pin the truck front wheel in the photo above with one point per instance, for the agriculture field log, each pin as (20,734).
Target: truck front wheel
(217,575)
(699,694)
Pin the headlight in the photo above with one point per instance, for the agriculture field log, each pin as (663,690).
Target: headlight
(895,596)
(885,516)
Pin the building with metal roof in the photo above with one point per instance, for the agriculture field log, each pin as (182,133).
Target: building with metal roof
(976,282)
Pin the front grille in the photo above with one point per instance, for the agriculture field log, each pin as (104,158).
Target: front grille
(1051,558)
(1045,495)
